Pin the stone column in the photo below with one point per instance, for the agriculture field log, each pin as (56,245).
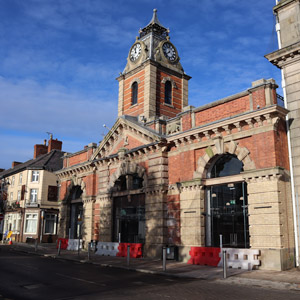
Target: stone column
(192,221)
(87,225)
(150,91)
(270,218)
(156,193)
(105,224)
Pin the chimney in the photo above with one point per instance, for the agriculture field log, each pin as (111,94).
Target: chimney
(40,149)
(15,163)
(54,144)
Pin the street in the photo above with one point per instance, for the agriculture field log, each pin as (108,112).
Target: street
(27,276)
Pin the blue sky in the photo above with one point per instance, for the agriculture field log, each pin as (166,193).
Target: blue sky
(60,58)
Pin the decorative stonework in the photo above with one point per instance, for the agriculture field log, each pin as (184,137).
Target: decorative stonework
(135,80)
(242,153)
(173,127)
(122,128)
(75,171)
(74,182)
(243,125)
(127,168)
(271,174)
(165,79)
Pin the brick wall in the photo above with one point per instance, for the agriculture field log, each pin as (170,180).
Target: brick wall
(128,108)
(282,154)
(176,106)
(90,184)
(181,167)
(186,121)
(259,98)
(223,111)
(63,189)
(131,143)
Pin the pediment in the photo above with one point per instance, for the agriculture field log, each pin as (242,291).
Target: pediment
(125,134)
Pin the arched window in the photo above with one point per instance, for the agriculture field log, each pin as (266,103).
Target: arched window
(168,92)
(225,166)
(134,93)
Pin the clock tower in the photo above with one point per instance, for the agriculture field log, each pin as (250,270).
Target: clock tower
(153,83)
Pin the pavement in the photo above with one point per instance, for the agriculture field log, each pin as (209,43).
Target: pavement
(281,280)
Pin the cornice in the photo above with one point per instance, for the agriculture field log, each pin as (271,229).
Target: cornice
(271,114)
(281,4)
(82,169)
(284,55)
(267,174)
(147,62)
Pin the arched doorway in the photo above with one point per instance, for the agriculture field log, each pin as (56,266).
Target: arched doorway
(75,213)
(226,204)
(128,209)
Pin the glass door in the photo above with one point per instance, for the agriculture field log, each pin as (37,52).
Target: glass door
(227,214)
(129,219)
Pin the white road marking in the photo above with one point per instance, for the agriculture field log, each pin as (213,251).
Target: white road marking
(75,278)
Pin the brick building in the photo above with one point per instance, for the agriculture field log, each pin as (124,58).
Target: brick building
(169,173)
(29,193)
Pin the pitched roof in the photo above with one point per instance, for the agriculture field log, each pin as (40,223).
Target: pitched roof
(51,161)
(132,122)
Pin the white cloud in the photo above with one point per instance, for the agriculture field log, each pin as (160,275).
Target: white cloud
(28,106)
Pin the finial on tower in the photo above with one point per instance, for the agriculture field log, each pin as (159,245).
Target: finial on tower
(154,19)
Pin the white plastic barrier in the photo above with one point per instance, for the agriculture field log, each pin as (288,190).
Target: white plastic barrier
(240,258)
(73,244)
(107,249)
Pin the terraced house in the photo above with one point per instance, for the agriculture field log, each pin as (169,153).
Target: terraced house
(171,174)
(29,194)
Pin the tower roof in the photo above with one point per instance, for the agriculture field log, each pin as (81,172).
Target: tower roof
(154,26)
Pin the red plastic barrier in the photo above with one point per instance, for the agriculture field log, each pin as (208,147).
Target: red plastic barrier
(64,243)
(136,250)
(206,256)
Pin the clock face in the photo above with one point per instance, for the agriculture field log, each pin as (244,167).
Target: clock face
(169,51)
(135,52)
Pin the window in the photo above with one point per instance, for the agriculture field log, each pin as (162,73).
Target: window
(226,165)
(31,223)
(14,226)
(11,196)
(168,92)
(52,193)
(33,195)
(19,196)
(20,178)
(50,224)
(12,222)
(13,181)
(35,176)
(134,93)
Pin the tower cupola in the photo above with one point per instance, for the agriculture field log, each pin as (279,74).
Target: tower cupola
(153,83)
